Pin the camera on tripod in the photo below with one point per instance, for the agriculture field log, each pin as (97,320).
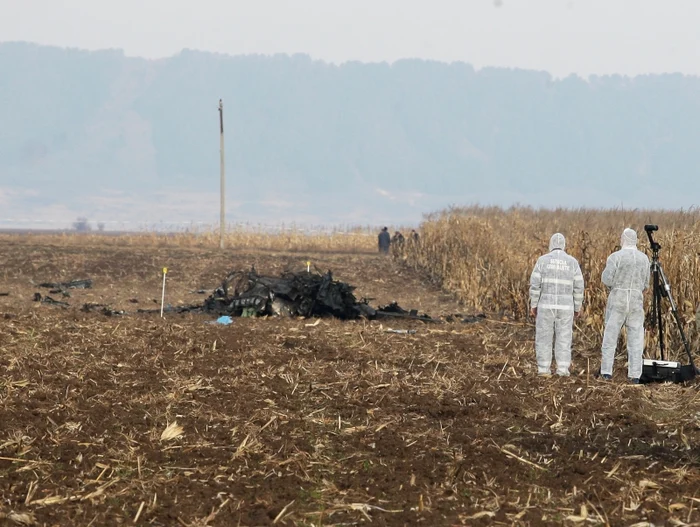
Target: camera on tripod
(654,244)
(663,370)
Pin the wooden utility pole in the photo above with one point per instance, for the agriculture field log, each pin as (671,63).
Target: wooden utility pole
(222,218)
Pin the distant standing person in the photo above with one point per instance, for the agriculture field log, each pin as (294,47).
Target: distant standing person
(556,297)
(627,274)
(415,238)
(384,241)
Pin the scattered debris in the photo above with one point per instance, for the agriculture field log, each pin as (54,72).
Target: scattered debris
(394,310)
(53,302)
(73,284)
(49,300)
(402,331)
(102,308)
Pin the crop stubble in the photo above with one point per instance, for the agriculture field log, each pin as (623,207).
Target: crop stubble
(273,421)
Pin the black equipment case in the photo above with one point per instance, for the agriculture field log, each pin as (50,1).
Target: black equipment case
(654,370)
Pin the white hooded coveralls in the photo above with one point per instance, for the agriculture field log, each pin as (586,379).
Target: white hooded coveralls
(556,291)
(627,275)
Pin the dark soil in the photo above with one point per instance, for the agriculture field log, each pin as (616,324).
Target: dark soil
(304,423)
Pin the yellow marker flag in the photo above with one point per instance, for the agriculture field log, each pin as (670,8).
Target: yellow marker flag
(308,267)
(162,298)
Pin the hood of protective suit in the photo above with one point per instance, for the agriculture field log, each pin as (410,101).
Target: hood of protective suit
(629,239)
(557,241)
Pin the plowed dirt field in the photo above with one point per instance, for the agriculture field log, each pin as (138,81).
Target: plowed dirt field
(141,420)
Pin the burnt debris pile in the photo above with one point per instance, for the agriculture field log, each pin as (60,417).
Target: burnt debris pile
(302,294)
(291,294)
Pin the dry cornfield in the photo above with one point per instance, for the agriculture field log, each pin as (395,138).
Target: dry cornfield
(486,255)
(140,420)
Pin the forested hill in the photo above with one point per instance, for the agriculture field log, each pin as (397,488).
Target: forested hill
(307,140)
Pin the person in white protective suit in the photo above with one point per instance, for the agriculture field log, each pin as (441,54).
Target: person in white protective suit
(627,274)
(556,297)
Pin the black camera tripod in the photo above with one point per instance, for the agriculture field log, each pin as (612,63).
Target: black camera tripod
(662,289)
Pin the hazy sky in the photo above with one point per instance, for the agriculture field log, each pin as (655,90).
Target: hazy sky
(560,36)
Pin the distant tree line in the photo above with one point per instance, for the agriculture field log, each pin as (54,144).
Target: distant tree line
(302,128)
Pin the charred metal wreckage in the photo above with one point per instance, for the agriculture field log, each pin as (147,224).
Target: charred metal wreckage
(249,294)
(303,294)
